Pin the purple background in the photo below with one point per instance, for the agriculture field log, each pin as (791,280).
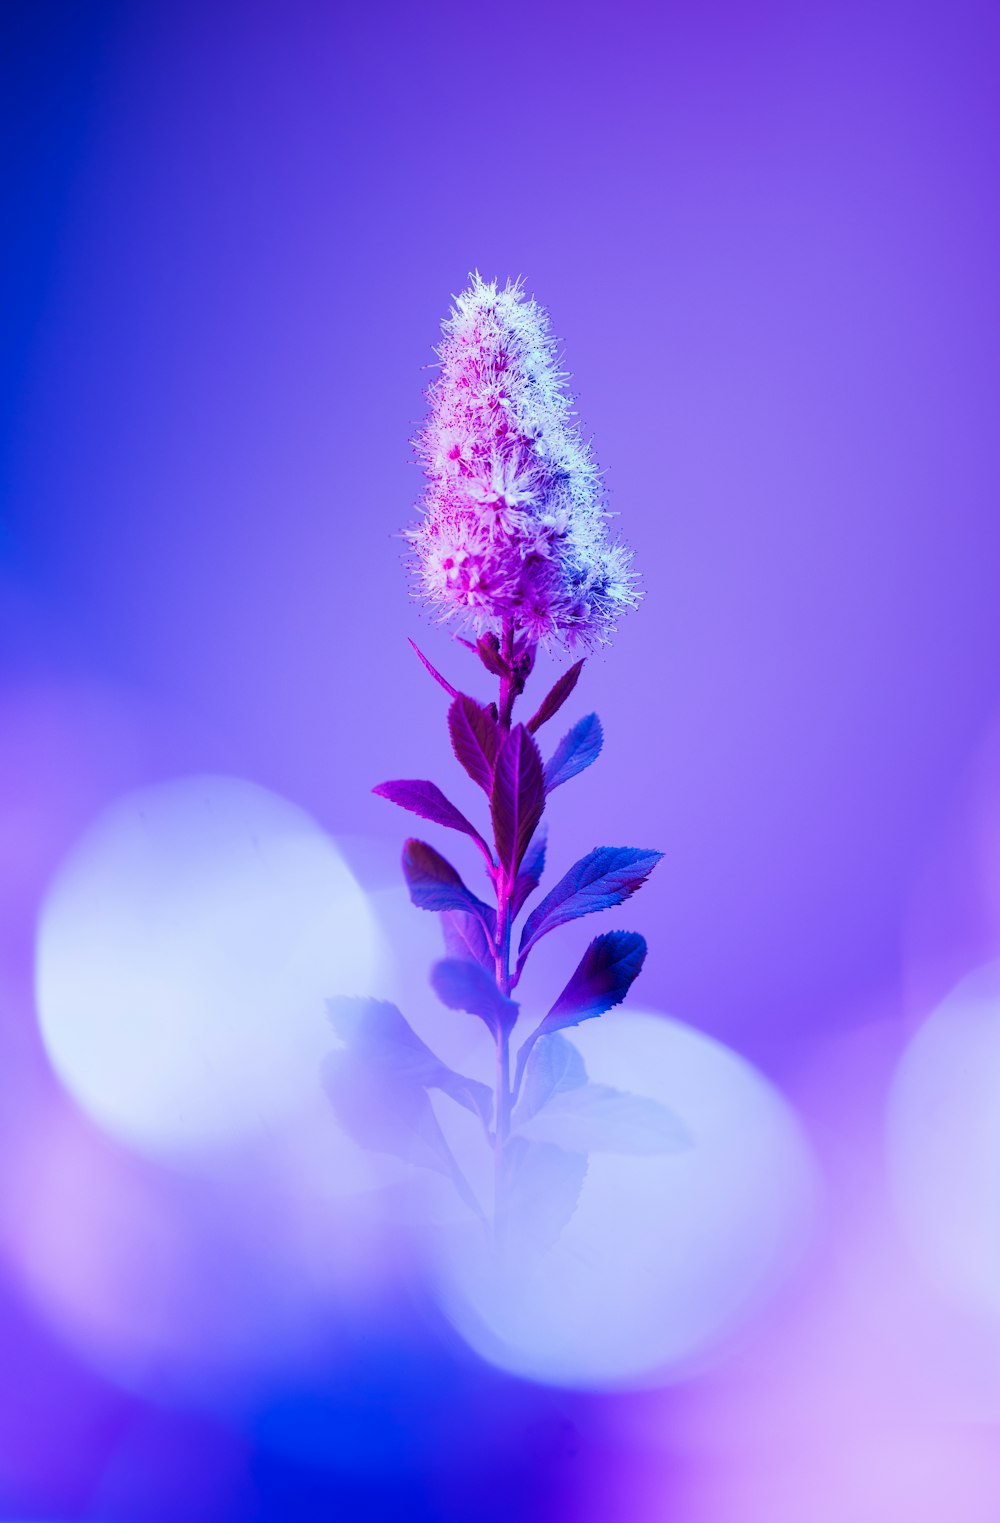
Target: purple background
(769,237)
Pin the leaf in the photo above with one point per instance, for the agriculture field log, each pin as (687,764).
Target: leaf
(594,1118)
(435,885)
(556,696)
(464,936)
(531,871)
(543,1185)
(475,739)
(488,647)
(464,985)
(427,800)
(606,972)
(552,1064)
(378,1033)
(384,1113)
(606,876)
(576,750)
(433,670)
(518,796)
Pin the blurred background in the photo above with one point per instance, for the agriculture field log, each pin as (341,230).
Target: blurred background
(768,235)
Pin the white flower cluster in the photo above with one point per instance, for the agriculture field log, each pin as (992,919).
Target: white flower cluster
(513,522)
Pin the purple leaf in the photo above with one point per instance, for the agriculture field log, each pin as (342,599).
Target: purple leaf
(464,985)
(475,738)
(434,671)
(435,885)
(427,800)
(556,696)
(603,878)
(604,976)
(377,1032)
(531,871)
(518,797)
(575,751)
(464,936)
(488,647)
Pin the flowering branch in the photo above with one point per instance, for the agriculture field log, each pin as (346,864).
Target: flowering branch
(513,543)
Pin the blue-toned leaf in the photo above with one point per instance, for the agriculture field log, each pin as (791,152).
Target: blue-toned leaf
(556,696)
(475,738)
(531,871)
(542,1188)
(594,1118)
(434,671)
(377,1032)
(606,972)
(576,750)
(464,985)
(603,878)
(464,936)
(518,796)
(385,1113)
(435,885)
(427,800)
(553,1064)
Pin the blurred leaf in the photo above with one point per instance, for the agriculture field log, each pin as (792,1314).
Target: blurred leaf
(553,1064)
(556,696)
(378,1035)
(464,985)
(603,878)
(543,1185)
(592,1118)
(518,796)
(576,750)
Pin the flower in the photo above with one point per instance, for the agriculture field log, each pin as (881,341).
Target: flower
(513,525)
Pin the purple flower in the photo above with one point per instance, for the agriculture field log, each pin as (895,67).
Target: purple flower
(514,526)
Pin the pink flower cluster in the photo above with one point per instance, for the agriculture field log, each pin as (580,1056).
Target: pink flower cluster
(514,525)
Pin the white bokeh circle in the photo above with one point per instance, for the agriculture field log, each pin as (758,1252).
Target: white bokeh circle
(184,953)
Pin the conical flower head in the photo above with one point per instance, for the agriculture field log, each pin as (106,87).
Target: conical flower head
(514,523)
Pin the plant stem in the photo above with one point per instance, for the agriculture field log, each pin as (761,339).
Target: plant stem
(505,889)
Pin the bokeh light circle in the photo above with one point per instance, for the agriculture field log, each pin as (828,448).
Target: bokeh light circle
(943,1142)
(665,1255)
(184,953)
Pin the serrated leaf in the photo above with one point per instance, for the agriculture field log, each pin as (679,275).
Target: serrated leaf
(577,749)
(464,985)
(556,696)
(384,1113)
(464,936)
(427,800)
(433,670)
(594,1118)
(553,1064)
(435,885)
(606,876)
(542,1189)
(603,977)
(475,739)
(378,1033)
(531,871)
(517,798)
